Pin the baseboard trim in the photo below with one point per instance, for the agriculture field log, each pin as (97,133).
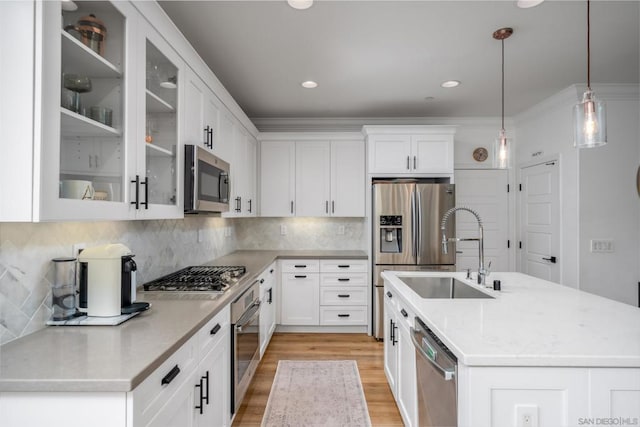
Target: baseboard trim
(323,329)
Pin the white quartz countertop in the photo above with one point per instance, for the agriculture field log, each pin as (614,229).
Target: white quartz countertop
(118,358)
(530,322)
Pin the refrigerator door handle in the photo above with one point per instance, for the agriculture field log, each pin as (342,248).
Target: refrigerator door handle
(418,224)
(414,243)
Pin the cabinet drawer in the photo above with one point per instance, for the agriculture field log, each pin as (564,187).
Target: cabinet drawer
(343,296)
(405,314)
(154,392)
(211,333)
(343,265)
(343,279)
(347,315)
(300,265)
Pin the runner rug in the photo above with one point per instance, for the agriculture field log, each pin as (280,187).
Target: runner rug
(316,393)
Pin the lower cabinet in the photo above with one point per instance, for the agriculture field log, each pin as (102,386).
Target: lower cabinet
(268,306)
(399,356)
(324,292)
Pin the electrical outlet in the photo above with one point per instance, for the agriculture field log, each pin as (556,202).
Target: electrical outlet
(341,230)
(526,416)
(200,236)
(283,230)
(77,248)
(602,246)
(227,232)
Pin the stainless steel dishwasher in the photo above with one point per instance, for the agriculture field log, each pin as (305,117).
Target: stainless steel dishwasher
(437,383)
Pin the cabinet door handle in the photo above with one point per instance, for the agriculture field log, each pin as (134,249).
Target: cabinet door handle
(344,315)
(343,279)
(270,299)
(389,294)
(292,207)
(199,386)
(137,200)
(146,192)
(206,136)
(404,313)
(333,206)
(173,373)
(206,396)
(210,138)
(95,161)
(408,160)
(215,329)
(343,295)
(249,205)
(414,162)
(326,206)
(343,266)
(261,281)
(90,156)
(238,204)
(271,271)
(302,276)
(300,266)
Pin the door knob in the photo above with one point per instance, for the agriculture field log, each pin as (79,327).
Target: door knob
(552,259)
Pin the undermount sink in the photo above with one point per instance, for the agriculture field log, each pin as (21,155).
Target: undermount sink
(442,287)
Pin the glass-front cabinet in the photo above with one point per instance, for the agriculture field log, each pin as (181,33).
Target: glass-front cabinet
(110,104)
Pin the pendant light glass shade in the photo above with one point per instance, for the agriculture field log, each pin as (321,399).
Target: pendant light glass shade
(589,121)
(501,150)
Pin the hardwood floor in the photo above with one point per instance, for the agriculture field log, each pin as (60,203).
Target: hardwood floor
(366,351)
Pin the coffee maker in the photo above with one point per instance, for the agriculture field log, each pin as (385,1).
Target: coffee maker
(107,281)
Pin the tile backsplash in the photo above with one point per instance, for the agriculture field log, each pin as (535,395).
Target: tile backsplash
(160,246)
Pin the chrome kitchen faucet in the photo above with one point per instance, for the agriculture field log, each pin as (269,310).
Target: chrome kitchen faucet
(482,271)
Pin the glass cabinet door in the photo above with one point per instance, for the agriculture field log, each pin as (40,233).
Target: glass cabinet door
(160,151)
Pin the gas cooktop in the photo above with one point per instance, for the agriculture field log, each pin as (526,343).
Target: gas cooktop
(215,279)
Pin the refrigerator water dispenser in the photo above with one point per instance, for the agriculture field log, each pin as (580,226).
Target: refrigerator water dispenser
(391,233)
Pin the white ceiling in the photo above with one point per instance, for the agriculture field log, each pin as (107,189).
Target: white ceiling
(382,58)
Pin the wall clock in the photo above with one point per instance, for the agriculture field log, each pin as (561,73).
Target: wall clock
(480,154)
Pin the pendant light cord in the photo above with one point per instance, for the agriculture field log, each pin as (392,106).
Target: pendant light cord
(502,84)
(588,45)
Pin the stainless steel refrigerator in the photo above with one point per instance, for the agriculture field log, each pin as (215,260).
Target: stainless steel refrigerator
(406,220)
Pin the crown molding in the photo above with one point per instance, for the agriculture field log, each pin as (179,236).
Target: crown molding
(310,136)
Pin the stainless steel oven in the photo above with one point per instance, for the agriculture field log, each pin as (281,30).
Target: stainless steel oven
(245,345)
(206,181)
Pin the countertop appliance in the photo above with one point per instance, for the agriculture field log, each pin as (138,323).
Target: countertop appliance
(107,281)
(211,279)
(406,232)
(245,342)
(437,379)
(206,181)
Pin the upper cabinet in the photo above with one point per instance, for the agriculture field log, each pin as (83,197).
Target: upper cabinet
(100,103)
(311,177)
(410,150)
(243,200)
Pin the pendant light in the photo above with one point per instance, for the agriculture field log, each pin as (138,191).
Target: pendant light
(589,115)
(503,144)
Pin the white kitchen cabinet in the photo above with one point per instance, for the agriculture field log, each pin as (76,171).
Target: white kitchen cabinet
(277,178)
(300,299)
(212,407)
(399,356)
(410,150)
(243,174)
(311,177)
(268,307)
(201,116)
(177,410)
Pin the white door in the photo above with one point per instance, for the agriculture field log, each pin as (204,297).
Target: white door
(484,191)
(313,178)
(193,110)
(540,221)
(277,175)
(210,120)
(347,178)
(300,299)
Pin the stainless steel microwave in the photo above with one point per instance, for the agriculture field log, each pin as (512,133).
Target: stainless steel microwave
(206,181)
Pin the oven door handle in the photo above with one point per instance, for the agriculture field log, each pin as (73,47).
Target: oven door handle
(249,316)
(447,374)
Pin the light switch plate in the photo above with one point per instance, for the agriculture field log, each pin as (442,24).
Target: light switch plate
(526,416)
(283,230)
(602,246)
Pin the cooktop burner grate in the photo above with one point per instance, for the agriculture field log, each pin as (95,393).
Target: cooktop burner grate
(215,279)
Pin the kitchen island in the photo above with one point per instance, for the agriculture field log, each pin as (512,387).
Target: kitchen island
(72,375)
(536,349)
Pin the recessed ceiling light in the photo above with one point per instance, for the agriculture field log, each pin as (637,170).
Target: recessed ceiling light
(526,4)
(450,83)
(300,4)
(309,84)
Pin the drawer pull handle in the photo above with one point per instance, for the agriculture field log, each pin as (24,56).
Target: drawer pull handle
(261,281)
(344,315)
(215,329)
(389,294)
(343,279)
(173,373)
(300,266)
(344,295)
(271,271)
(200,406)
(206,397)
(344,266)
(303,276)
(404,313)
